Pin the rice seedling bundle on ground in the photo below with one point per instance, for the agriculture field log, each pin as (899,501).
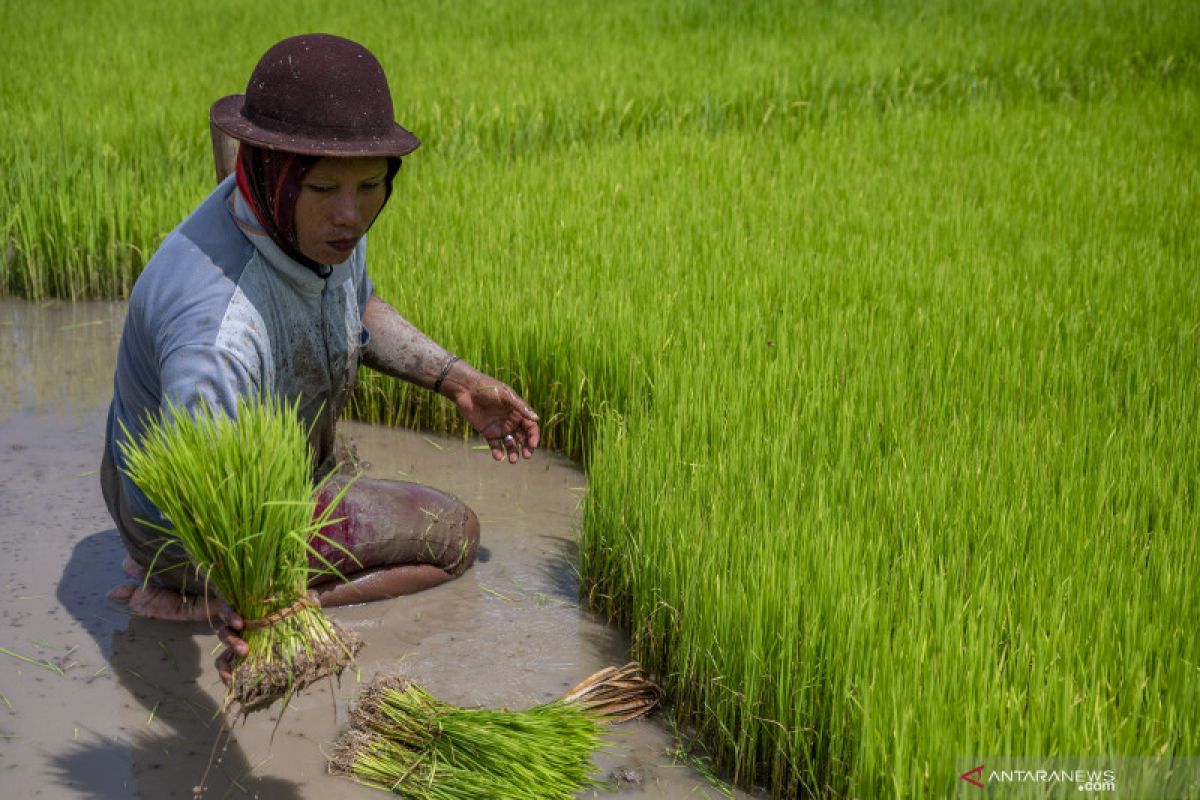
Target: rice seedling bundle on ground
(239,498)
(404,740)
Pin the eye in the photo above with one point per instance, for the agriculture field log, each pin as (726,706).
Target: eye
(318,189)
(371,186)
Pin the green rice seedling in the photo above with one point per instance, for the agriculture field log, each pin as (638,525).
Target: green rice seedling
(404,740)
(43,663)
(239,497)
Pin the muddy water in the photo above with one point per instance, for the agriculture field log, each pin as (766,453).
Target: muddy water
(123,707)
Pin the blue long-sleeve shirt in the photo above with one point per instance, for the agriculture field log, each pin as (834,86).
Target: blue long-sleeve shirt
(220,311)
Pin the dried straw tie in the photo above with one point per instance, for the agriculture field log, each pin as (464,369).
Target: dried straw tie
(308,601)
(616,694)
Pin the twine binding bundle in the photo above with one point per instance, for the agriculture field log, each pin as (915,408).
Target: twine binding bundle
(404,740)
(308,601)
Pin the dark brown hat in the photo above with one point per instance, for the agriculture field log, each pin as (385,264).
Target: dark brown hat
(318,95)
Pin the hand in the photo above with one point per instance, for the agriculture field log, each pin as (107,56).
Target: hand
(508,424)
(235,645)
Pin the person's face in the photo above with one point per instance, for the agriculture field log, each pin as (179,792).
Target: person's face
(339,198)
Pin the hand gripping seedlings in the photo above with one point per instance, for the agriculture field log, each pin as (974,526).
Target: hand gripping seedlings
(404,740)
(239,498)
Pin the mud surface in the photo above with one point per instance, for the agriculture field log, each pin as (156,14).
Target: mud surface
(123,707)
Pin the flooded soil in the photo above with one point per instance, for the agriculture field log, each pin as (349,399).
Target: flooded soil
(98,703)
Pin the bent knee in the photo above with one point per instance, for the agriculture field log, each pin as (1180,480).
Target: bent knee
(386,523)
(468,545)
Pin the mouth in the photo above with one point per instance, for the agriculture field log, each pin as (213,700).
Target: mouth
(342,245)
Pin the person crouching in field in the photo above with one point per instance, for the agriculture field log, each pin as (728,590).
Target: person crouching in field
(264,290)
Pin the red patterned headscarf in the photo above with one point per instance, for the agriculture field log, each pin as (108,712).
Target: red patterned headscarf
(270,182)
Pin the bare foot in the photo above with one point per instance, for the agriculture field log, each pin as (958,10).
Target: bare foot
(158,603)
(133,569)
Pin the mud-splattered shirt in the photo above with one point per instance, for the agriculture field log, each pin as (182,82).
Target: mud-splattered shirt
(220,311)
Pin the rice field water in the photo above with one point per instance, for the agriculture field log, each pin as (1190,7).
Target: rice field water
(873,323)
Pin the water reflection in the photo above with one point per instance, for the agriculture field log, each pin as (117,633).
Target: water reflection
(57,357)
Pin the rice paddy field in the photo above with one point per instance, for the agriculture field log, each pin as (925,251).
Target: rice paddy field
(874,325)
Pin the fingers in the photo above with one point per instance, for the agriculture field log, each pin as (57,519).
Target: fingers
(532,436)
(235,645)
(506,447)
(235,648)
(225,667)
(513,432)
(523,439)
(232,619)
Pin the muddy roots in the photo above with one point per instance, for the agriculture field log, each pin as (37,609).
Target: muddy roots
(371,699)
(349,747)
(258,683)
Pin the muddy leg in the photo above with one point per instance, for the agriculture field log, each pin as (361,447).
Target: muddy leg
(402,537)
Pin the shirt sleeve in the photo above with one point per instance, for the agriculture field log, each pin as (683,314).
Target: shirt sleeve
(198,374)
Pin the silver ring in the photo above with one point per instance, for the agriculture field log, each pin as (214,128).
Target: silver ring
(509,439)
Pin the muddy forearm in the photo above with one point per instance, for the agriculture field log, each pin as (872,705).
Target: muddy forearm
(398,348)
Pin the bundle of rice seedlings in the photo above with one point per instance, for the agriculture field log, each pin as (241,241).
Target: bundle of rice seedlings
(404,740)
(239,498)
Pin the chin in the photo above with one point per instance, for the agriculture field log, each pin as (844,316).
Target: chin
(327,255)
(338,256)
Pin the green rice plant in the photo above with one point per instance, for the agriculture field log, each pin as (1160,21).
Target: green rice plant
(536,84)
(404,740)
(238,496)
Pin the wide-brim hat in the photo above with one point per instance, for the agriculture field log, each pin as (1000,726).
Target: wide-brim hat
(317,95)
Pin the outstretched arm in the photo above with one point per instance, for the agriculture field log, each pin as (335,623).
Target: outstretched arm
(399,349)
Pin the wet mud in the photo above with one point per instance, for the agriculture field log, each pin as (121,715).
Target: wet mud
(98,703)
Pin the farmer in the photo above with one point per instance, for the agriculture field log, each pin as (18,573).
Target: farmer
(263,290)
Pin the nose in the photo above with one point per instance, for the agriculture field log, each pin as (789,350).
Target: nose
(346,213)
